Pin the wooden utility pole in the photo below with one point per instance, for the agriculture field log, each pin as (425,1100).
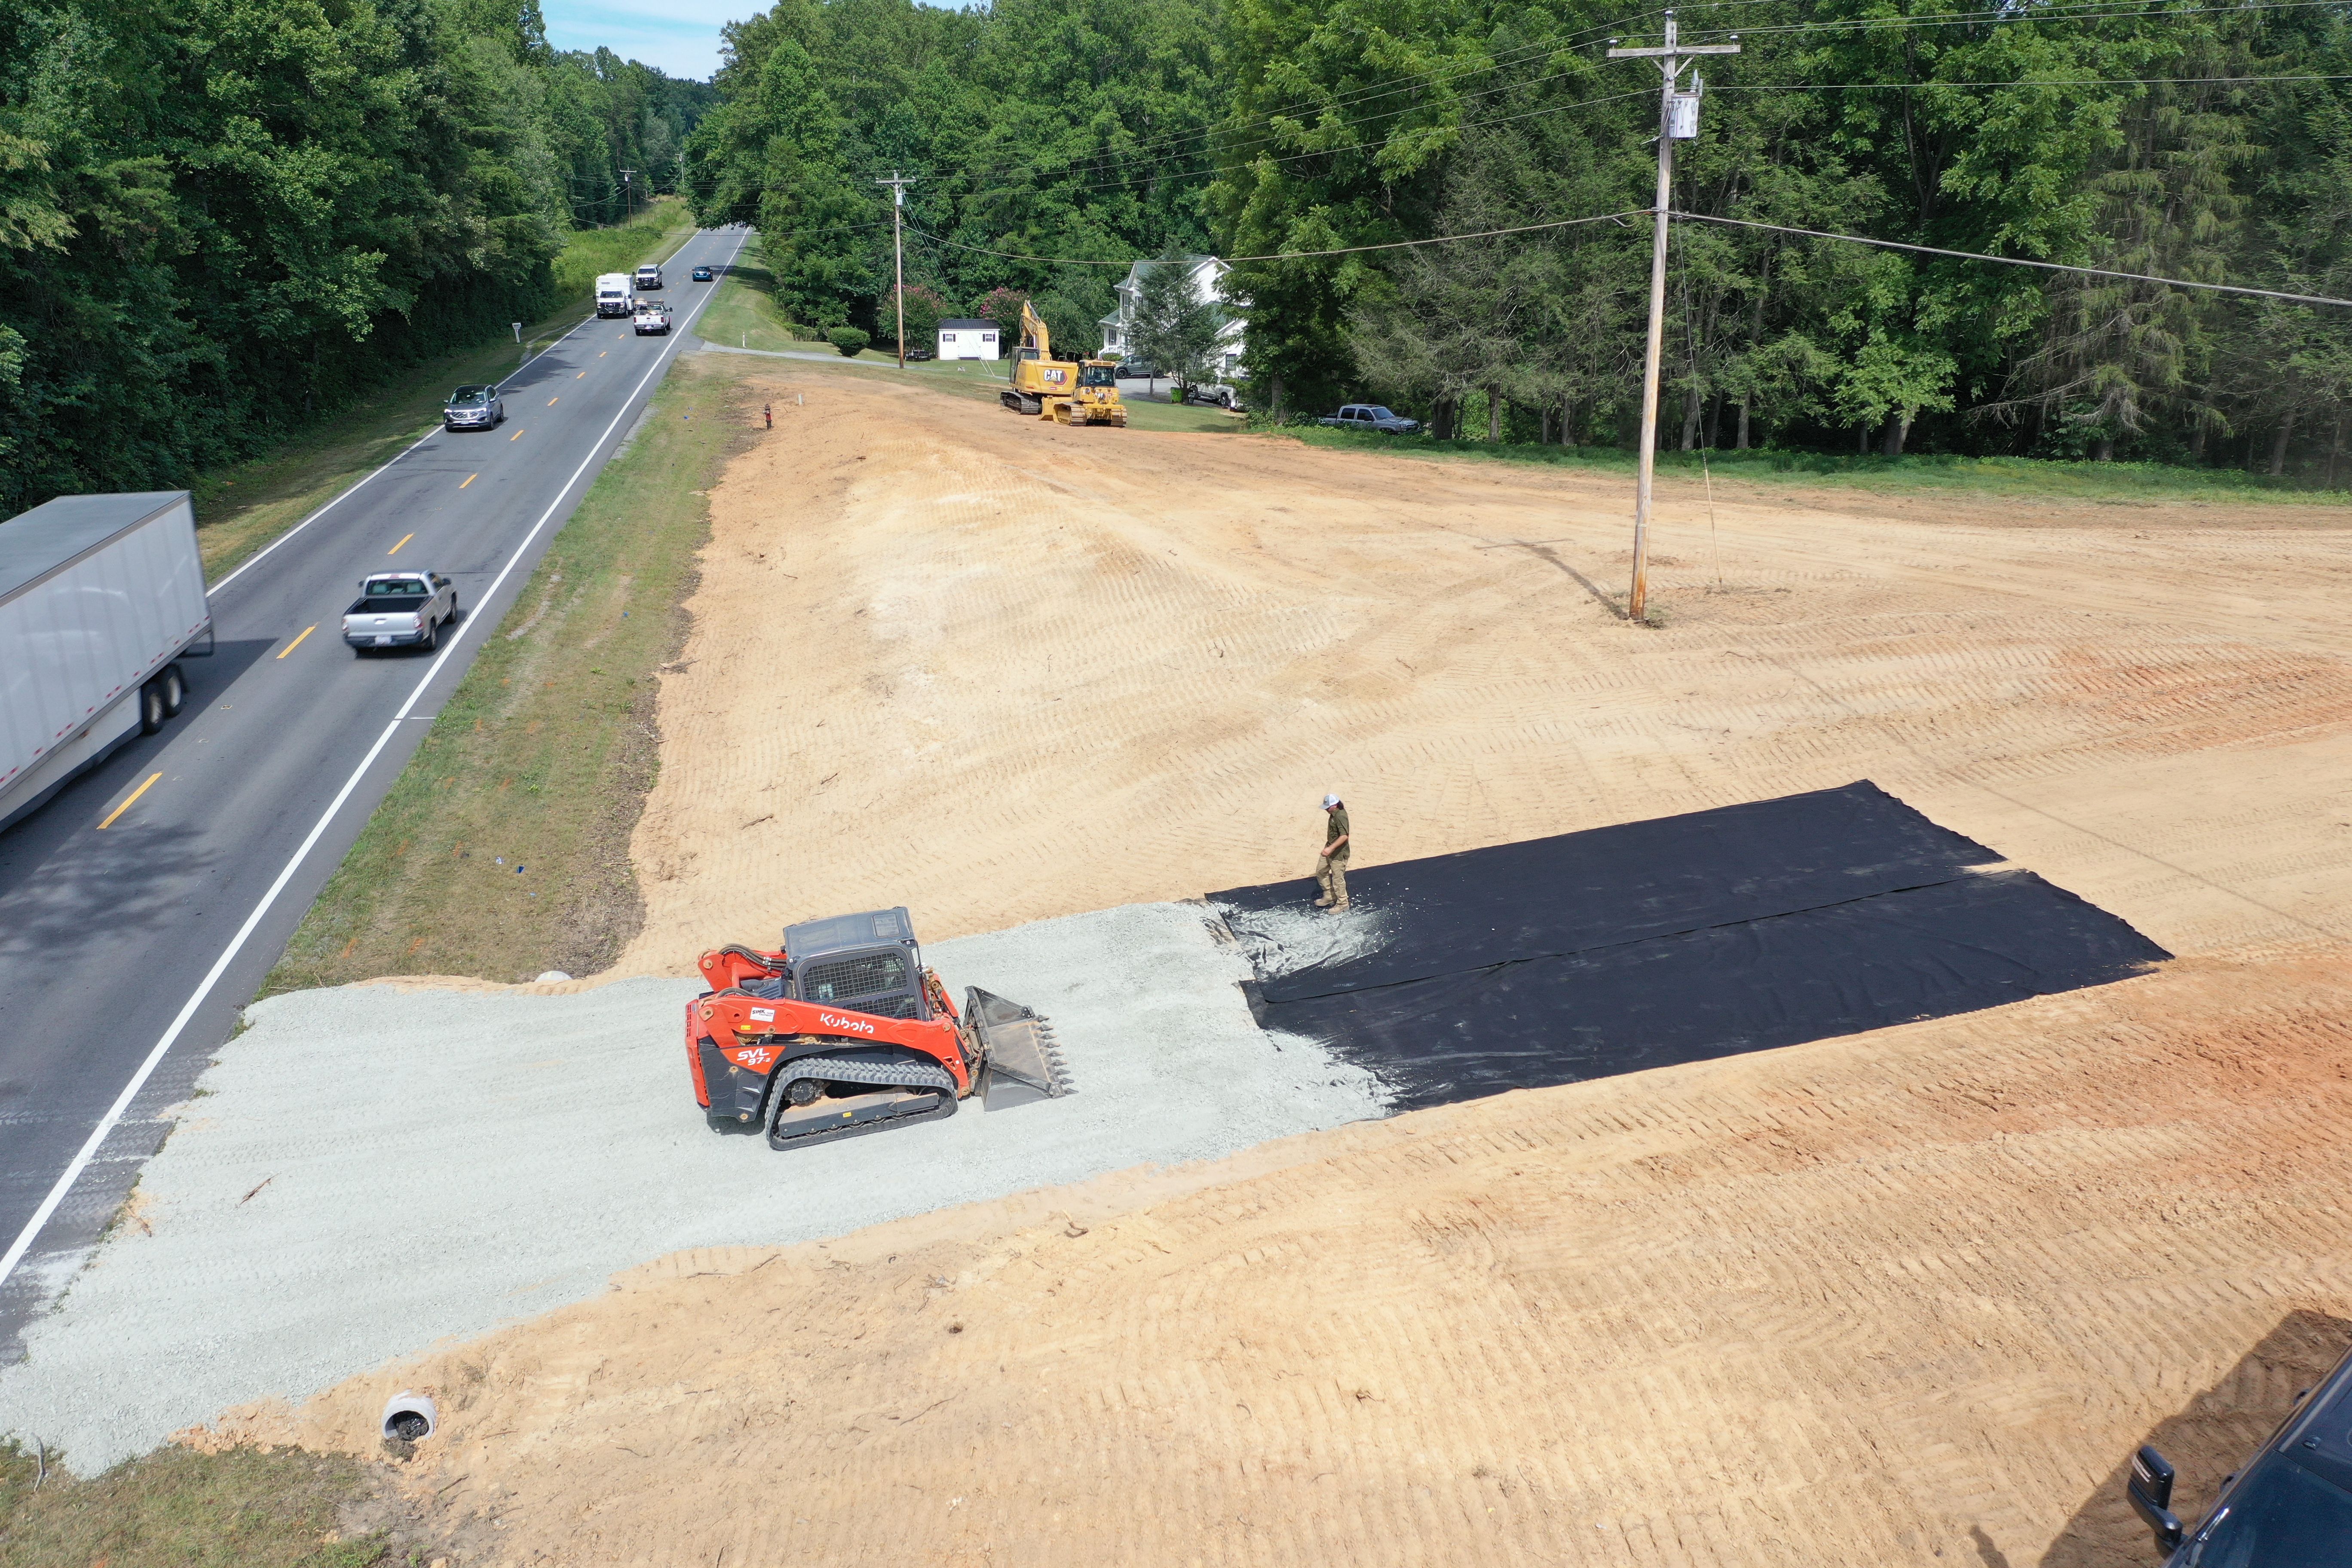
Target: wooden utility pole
(628,205)
(1677,121)
(899,255)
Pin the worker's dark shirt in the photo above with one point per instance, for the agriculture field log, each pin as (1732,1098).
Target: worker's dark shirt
(1338,829)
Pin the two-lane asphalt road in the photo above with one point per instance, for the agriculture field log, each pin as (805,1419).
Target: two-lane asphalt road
(141,908)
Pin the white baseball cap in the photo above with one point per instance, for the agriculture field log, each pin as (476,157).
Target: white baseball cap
(1329,801)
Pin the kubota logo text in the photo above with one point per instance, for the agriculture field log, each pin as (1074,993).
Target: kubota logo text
(838,1022)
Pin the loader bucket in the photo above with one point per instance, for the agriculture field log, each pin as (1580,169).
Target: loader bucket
(1023,1061)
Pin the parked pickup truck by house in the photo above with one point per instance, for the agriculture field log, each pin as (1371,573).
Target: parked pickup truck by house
(400,609)
(1371,416)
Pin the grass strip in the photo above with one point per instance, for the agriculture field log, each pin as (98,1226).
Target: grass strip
(179,1508)
(2041,479)
(244,506)
(502,850)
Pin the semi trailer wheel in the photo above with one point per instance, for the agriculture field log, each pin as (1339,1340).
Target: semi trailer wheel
(151,708)
(175,691)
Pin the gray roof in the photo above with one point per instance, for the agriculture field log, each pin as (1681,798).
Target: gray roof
(964,324)
(37,543)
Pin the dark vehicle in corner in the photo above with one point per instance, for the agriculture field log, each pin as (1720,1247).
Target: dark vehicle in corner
(1371,416)
(474,409)
(400,609)
(2290,1507)
(702,275)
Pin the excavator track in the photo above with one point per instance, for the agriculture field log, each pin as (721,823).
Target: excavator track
(894,1090)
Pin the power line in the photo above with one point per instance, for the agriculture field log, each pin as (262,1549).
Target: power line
(2018,260)
(2048,81)
(1615,96)
(2084,12)
(1580,39)
(1303,255)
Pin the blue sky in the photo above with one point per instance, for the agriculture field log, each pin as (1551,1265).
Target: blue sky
(681,36)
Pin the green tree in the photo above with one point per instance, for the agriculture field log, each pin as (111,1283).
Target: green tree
(1175,328)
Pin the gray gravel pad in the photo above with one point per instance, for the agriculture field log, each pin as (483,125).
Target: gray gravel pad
(365,1172)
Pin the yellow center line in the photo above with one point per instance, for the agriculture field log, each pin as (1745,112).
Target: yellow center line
(298,641)
(404,539)
(602,353)
(583,373)
(516,436)
(469,479)
(551,402)
(126,805)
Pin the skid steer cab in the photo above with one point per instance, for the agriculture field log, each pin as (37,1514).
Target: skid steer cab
(844,1031)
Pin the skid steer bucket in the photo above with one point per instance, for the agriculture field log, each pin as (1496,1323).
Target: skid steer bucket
(1018,1052)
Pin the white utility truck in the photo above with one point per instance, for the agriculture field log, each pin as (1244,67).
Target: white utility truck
(614,297)
(100,597)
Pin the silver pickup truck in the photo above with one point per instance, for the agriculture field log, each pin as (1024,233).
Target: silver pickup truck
(400,609)
(1371,416)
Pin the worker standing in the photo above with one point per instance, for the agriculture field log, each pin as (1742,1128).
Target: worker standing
(768,412)
(1331,866)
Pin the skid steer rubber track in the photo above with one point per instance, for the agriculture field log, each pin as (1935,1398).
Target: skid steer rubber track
(903,1090)
(1021,1058)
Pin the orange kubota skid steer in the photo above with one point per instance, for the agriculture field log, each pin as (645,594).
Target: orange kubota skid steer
(844,1031)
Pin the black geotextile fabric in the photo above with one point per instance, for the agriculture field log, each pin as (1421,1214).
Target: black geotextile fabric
(1653,942)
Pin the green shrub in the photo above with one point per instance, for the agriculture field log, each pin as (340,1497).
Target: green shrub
(848,339)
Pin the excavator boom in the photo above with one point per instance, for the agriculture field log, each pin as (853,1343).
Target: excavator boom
(1064,391)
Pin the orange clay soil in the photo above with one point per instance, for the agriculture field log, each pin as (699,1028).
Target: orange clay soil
(1903,1297)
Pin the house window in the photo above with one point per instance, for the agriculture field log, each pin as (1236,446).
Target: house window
(988,337)
(946,337)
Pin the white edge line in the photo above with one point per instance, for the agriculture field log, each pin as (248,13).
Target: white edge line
(25,1238)
(256,559)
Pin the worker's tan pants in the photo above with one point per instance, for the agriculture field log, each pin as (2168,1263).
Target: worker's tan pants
(1331,876)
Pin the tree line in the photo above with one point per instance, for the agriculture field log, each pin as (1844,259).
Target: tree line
(220,219)
(2186,140)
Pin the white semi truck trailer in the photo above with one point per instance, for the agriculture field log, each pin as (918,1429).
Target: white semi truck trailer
(101,597)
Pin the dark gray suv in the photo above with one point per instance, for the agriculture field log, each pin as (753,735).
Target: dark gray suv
(2290,1507)
(474,409)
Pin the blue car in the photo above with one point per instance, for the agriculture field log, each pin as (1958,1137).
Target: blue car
(2290,1507)
(702,275)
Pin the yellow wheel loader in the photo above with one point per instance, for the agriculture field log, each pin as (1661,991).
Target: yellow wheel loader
(1069,391)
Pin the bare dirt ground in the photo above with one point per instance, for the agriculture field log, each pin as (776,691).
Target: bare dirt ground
(1008,670)
(1903,1297)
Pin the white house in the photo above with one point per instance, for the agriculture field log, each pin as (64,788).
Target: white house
(1207,272)
(968,337)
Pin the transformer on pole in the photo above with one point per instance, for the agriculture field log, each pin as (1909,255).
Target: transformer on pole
(1677,121)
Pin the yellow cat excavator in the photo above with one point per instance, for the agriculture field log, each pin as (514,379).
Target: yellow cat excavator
(1069,391)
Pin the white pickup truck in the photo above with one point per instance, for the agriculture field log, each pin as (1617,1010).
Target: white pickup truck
(400,609)
(614,297)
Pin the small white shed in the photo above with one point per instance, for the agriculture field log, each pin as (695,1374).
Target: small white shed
(968,337)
